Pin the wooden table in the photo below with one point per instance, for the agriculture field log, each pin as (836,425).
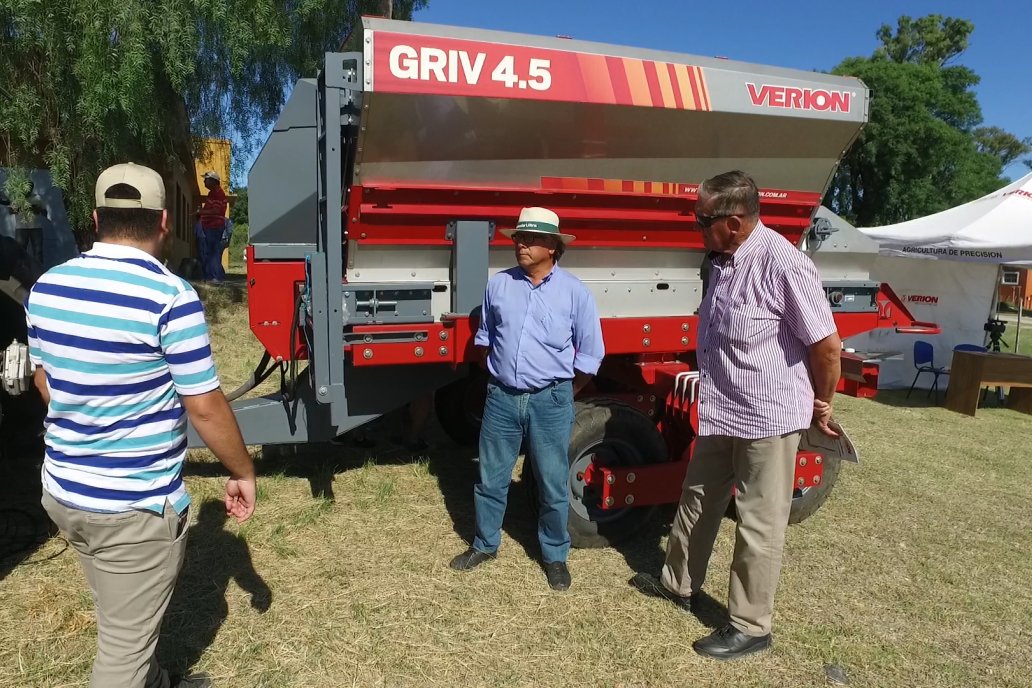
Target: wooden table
(973,370)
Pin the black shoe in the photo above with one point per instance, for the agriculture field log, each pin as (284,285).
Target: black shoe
(354,439)
(650,585)
(412,445)
(730,643)
(470,559)
(189,681)
(558,575)
(418,445)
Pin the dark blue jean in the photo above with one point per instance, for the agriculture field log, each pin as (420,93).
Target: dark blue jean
(544,418)
(209,249)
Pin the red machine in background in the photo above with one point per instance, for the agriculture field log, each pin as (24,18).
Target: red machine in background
(374,216)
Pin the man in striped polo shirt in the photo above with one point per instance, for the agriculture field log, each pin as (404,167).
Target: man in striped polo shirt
(122,359)
(768,352)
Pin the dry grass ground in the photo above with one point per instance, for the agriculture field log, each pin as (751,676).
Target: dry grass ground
(916,573)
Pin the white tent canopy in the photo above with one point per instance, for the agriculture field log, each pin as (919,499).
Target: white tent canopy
(993,229)
(985,233)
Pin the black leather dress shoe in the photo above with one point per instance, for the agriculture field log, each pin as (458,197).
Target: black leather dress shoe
(470,559)
(201,680)
(558,575)
(730,643)
(650,585)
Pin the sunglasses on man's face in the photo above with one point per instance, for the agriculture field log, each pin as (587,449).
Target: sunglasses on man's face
(706,221)
(529,239)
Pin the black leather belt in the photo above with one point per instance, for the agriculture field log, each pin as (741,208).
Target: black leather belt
(516,390)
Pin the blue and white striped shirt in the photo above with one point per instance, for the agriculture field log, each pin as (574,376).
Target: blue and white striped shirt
(119,338)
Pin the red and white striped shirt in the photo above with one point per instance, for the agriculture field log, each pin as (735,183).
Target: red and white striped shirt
(764,307)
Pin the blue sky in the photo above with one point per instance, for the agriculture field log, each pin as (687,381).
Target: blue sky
(802,35)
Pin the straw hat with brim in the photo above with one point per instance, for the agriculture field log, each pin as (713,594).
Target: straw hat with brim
(539,221)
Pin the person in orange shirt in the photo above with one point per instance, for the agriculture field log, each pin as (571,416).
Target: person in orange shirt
(211,223)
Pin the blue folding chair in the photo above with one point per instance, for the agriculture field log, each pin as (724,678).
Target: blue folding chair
(924,361)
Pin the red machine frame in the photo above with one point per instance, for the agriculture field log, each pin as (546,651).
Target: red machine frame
(644,354)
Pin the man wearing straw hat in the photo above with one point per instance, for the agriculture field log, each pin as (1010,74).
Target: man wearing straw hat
(541,334)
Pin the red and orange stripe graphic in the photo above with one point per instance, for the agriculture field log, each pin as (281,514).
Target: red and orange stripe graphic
(629,81)
(617,186)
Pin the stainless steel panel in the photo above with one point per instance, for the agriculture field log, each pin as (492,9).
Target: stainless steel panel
(477,141)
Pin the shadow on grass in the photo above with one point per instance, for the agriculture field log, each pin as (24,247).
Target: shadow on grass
(24,525)
(456,471)
(710,612)
(920,398)
(214,556)
(454,468)
(644,554)
(643,551)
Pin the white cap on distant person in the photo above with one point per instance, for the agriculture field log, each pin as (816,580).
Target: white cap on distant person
(147,183)
(212,175)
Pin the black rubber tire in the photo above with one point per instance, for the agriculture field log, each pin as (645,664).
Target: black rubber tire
(806,503)
(460,407)
(625,436)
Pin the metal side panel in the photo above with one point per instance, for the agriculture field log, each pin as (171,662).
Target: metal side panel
(299,110)
(470,263)
(371,392)
(271,420)
(838,249)
(470,141)
(56,241)
(282,180)
(339,81)
(284,251)
(282,195)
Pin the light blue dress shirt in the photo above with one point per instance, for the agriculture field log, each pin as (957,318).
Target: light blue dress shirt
(539,334)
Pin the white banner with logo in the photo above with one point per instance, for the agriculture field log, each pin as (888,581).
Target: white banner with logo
(957,296)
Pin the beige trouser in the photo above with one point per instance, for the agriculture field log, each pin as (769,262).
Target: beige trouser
(131,561)
(761,472)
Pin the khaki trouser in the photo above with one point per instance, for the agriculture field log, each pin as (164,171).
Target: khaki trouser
(131,561)
(762,472)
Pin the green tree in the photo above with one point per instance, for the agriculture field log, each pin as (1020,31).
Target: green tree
(1004,146)
(238,213)
(931,40)
(85,83)
(923,150)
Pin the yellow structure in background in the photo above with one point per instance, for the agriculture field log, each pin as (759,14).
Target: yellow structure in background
(215,155)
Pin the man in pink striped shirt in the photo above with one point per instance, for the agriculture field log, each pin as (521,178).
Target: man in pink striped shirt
(768,353)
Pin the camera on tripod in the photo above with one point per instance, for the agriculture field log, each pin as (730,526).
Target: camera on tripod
(995,328)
